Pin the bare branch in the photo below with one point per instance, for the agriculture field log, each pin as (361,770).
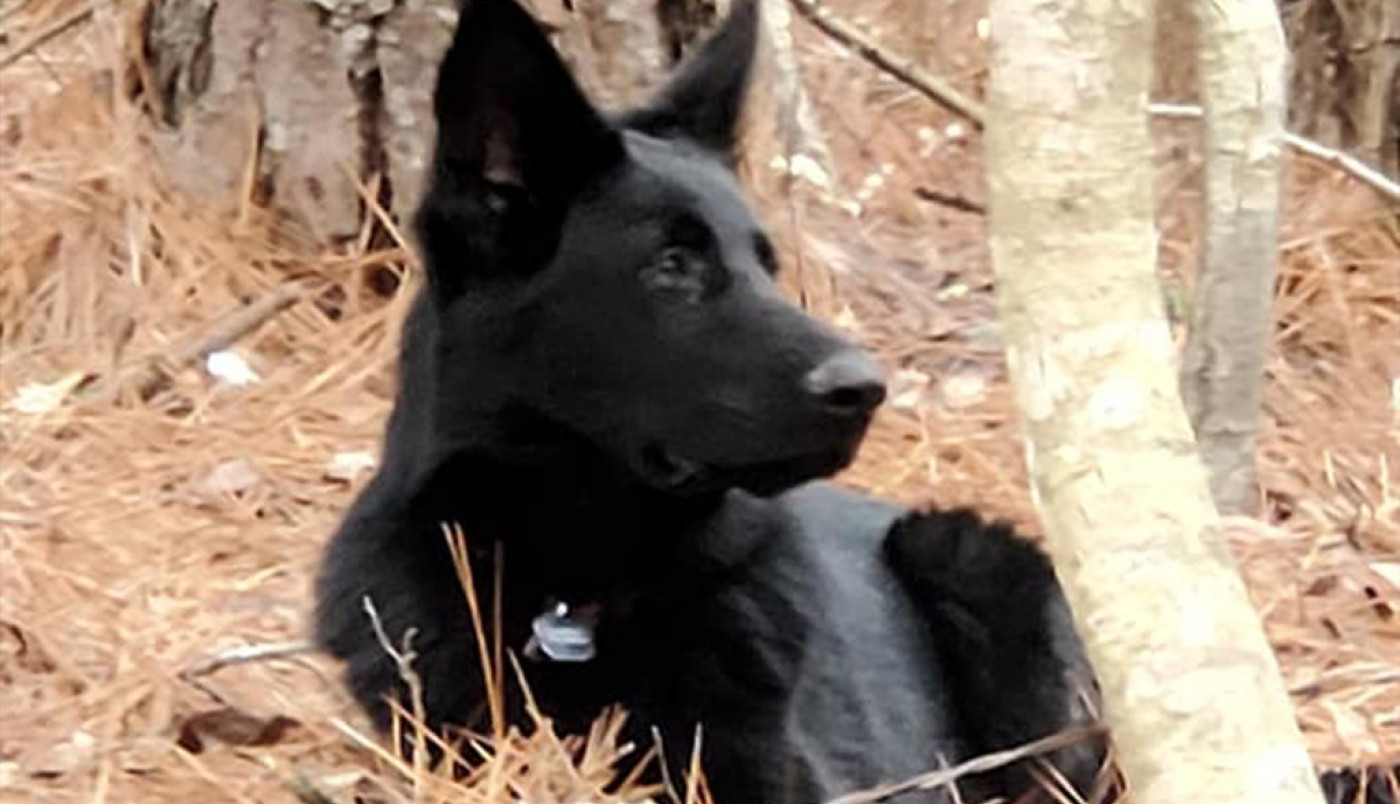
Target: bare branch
(894,64)
(38,40)
(1358,169)
(1363,172)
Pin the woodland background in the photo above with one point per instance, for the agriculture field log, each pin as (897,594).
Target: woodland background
(181,178)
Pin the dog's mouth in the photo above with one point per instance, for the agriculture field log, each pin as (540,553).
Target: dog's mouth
(670,472)
(676,474)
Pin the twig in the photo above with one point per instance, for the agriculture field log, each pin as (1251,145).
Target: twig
(232,327)
(244,654)
(939,91)
(986,762)
(1359,170)
(950,200)
(896,65)
(38,40)
(666,781)
(1178,111)
(403,659)
(21,520)
(1333,681)
(219,335)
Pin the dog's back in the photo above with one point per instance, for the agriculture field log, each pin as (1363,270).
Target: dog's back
(871,703)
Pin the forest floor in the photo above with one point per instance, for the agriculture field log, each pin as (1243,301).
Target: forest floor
(153,516)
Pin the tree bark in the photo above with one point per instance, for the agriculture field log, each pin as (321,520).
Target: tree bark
(1191,688)
(1345,76)
(1242,63)
(297,101)
(1372,116)
(310,96)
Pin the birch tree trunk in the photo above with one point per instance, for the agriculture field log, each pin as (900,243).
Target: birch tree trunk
(1191,688)
(1242,64)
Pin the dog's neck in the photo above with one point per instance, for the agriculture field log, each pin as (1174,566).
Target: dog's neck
(507,474)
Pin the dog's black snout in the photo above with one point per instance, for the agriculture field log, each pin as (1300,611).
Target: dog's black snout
(849,383)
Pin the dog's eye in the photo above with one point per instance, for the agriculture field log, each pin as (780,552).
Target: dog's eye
(677,268)
(678,261)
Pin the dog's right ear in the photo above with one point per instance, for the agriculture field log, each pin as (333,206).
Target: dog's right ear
(516,141)
(704,100)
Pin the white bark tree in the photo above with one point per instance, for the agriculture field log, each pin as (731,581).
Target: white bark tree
(1242,64)
(1191,688)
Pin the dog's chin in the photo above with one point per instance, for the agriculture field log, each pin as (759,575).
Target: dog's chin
(774,477)
(674,474)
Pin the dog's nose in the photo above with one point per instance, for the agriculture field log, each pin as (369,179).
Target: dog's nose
(849,383)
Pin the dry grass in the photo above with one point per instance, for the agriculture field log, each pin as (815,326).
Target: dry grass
(151,516)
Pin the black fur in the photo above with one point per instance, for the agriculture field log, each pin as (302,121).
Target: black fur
(602,378)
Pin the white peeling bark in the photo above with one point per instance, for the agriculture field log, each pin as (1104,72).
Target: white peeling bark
(1190,686)
(1242,65)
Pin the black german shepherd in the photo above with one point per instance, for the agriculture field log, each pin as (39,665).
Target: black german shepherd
(602,378)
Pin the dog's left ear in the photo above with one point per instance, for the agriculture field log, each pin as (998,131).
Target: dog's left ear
(705,99)
(516,142)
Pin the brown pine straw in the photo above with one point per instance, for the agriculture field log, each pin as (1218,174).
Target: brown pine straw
(144,532)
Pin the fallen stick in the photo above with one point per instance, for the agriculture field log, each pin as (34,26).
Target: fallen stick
(244,654)
(221,334)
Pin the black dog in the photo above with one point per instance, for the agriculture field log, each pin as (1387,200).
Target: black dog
(602,379)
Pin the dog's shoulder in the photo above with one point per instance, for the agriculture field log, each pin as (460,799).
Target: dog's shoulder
(825,510)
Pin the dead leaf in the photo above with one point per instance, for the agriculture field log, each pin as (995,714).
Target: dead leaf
(232,727)
(64,758)
(344,467)
(37,397)
(230,478)
(962,391)
(907,388)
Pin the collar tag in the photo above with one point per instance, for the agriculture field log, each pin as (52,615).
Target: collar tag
(562,633)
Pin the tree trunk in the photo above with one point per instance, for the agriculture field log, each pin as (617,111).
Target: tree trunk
(1345,76)
(1371,125)
(1242,60)
(295,101)
(1190,686)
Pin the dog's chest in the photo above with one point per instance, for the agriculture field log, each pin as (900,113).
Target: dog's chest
(800,655)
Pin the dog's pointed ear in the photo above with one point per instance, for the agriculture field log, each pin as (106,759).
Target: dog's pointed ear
(516,141)
(705,99)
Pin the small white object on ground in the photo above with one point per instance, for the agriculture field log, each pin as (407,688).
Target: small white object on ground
(230,367)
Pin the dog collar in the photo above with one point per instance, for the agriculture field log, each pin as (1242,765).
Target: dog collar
(564,633)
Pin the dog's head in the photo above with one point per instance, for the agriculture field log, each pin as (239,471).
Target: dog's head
(614,272)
